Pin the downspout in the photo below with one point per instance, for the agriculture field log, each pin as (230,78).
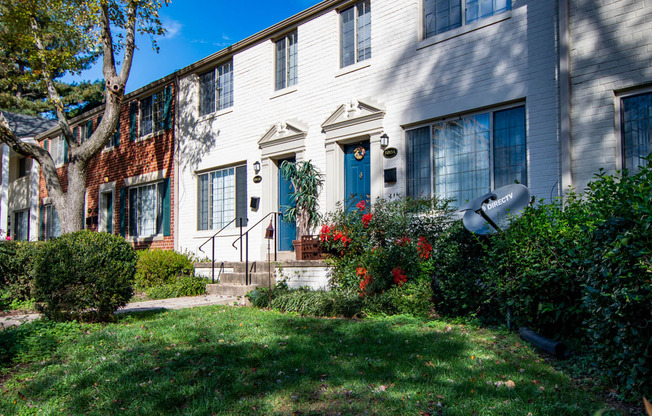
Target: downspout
(565,134)
(175,201)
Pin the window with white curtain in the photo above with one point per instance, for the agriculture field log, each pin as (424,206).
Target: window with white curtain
(145,211)
(465,157)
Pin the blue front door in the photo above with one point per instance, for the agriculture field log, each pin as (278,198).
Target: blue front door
(357,183)
(287,231)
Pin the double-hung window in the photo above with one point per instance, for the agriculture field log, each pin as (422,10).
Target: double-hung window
(222,195)
(355,33)
(152,113)
(443,15)
(58,147)
(145,210)
(465,157)
(216,89)
(51,224)
(636,124)
(21,225)
(286,61)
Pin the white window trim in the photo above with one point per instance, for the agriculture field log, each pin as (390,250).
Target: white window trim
(139,239)
(209,232)
(105,188)
(140,137)
(215,113)
(620,143)
(459,31)
(146,178)
(341,70)
(288,88)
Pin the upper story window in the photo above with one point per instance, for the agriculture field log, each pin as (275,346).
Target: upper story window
(58,148)
(216,89)
(24,166)
(443,15)
(152,113)
(636,124)
(355,33)
(466,157)
(286,61)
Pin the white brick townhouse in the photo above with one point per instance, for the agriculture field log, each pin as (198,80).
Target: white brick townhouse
(472,95)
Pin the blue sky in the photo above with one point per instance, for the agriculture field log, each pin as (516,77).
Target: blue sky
(197,29)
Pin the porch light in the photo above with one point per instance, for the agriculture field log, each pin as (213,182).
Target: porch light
(256,167)
(384,140)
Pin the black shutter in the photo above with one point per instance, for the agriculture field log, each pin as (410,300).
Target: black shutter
(123,212)
(133,120)
(167,109)
(241,196)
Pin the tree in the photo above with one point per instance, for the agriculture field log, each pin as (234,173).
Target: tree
(43,39)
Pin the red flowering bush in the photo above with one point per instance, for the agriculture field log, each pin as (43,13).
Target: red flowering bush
(385,248)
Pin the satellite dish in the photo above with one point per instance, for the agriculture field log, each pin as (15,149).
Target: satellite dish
(491,212)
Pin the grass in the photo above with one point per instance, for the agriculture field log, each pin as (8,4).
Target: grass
(242,361)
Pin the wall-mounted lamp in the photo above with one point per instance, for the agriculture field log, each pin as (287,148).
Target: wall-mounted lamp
(384,140)
(256,167)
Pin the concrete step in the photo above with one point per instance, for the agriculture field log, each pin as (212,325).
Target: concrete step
(223,289)
(239,278)
(237,267)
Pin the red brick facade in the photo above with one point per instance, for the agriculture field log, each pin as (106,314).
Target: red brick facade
(133,157)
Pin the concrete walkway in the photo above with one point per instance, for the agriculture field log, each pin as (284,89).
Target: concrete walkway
(148,305)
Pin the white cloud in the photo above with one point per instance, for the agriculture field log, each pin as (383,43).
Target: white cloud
(172,28)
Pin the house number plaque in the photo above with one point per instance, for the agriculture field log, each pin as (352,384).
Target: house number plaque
(390,152)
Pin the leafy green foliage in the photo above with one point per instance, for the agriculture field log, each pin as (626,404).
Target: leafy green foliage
(307,182)
(413,298)
(85,275)
(182,286)
(158,267)
(16,263)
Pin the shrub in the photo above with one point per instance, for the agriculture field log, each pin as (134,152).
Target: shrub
(16,263)
(182,286)
(305,301)
(413,298)
(158,267)
(84,275)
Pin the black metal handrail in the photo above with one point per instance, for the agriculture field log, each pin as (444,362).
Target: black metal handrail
(212,238)
(246,237)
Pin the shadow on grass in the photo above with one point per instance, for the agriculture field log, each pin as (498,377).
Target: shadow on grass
(242,361)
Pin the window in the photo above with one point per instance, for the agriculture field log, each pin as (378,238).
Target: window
(24,166)
(286,61)
(222,196)
(466,157)
(145,210)
(58,148)
(152,114)
(443,15)
(51,224)
(114,140)
(636,124)
(21,225)
(356,33)
(216,89)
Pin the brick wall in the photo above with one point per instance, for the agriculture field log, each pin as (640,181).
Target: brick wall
(150,154)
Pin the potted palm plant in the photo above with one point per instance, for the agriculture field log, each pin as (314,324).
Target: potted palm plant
(307,182)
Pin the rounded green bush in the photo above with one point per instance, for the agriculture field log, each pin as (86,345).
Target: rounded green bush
(84,275)
(16,263)
(158,267)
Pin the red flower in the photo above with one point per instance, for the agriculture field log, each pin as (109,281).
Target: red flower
(338,236)
(366,278)
(361,205)
(399,276)
(323,234)
(424,248)
(361,272)
(366,219)
(403,241)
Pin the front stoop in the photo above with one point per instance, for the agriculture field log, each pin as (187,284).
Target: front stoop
(232,280)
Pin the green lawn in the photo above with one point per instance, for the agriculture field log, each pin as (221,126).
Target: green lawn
(242,361)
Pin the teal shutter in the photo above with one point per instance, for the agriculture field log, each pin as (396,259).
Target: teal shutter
(41,223)
(75,134)
(123,212)
(167,109)
(89,128)
(65,149)
(241,195)
(165,214)
(46,144)
(133,120)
